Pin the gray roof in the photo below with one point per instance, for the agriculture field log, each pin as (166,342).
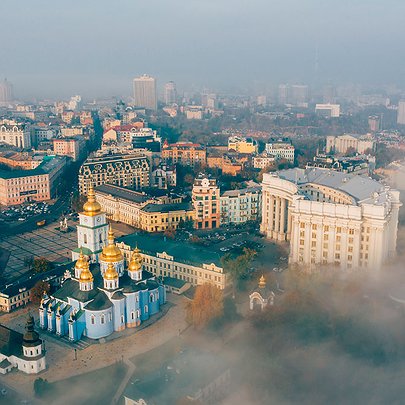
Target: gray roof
(358,187)
(168,207)
(124,193)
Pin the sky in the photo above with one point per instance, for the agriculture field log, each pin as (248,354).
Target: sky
(95,47)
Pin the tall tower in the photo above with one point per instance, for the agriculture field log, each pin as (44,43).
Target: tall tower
(145,92)
(6,92)
(170,93)
(92,229)
(401,113)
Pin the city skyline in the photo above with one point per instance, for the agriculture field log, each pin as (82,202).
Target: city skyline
(304,43)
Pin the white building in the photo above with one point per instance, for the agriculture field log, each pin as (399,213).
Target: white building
(343,143)
(194,112)
(15,134)
(263,161)
(145,92)
(163,177)
(401,113)
(328,110)
(331,217)
(238,206)
(281,149)
(25,352)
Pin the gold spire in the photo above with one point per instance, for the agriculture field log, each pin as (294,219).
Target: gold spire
(81,261)
(111,253)
(91,207)
(85,275)
(136,260)
(262,282)
(110,273)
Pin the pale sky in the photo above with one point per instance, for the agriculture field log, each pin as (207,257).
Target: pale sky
(95,47)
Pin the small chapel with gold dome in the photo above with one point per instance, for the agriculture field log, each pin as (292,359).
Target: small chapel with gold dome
(101,294)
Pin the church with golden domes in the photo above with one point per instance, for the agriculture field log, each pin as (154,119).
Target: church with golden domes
(100,294)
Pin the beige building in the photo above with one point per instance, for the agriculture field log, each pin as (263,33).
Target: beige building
(331,217)
(141,210)
(130,171)
(242,145)
(206,201)
(72,147)
(184,153)
(16,134)
(263,161)
(343,144)
(168,258)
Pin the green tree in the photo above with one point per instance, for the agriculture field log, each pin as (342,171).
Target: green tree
(41,265)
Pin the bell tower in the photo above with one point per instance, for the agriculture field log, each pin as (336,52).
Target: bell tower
(92,229)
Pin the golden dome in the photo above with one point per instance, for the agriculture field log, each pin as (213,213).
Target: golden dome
(91,207)
(136,261)
(111,253)
(262,282)
(81,261)
(85,275)
(110,273)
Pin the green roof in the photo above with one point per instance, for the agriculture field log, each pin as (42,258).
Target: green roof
(13,174)
(183,252)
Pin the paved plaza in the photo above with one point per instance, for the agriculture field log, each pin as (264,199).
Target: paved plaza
(46,242)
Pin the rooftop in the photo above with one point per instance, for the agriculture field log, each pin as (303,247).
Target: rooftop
(184,252)
(359,187)
(124,193)
(168,207)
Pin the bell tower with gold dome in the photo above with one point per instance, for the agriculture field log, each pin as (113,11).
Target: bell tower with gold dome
(92,229)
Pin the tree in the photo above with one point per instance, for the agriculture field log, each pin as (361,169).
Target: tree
(170,232)
(237,267)
(41,387)
(208,304)
(41,265)
(78,202)
(29,261)
(38,290)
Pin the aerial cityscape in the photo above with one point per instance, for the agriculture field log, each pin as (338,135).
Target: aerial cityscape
(202,203)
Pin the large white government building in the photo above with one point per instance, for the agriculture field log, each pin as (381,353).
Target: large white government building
(331,217)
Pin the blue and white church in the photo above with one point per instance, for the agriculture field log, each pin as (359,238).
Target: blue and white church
(100,295)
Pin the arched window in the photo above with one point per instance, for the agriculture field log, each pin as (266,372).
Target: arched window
(102,320)
(151,297)
(101,238)
(85,238)
(146,309)
(138,313)
(110,317)
(93,320)
(122,319)
(132,315)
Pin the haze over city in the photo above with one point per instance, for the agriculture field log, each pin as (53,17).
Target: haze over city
(201,202)
(95,48)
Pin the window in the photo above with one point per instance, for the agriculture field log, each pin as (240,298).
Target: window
(314,227)
(337,255)
(93,320)
(85,238)
(326,228)
(339,229)
(122,319)
(132,315)
(302,225)
(146,309)
(302,242)
(313,243)
(102,319)
(351,231)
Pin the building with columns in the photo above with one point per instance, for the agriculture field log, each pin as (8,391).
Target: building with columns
(343,144)
(330,217)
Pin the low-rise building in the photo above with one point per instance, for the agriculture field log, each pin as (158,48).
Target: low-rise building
(281,149)
(239,206)
(206,201)
(164,177)
(360,164)
(242,145)
(72,147)
(25,352)
(184,153)
(264,161)
(39,184)
(161,217)
(16,134)
(20,160)
(349,143)
(164,257)
(328,110)
(130,171)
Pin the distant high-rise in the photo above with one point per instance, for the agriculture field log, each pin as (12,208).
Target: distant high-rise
(401,113)
(283,90)
(145,92)
(170,93)
(6,92)
(299,94)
